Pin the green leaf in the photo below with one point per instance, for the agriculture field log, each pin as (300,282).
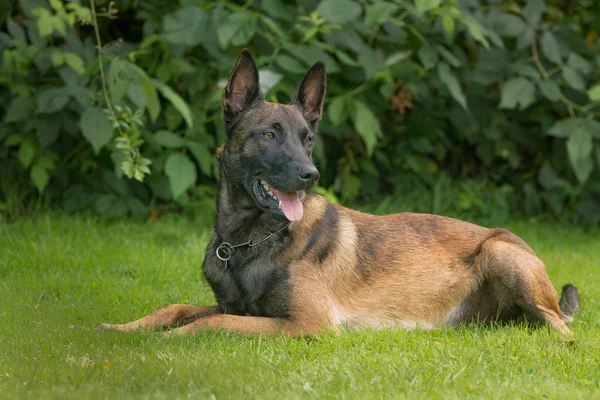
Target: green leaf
(202,155)
(506,24)
(119,77)
(579,63)
(57,58)
(39,177)
(169,139)
(246,33)
(476,30)
(526,38)
(337,110)
(573,79)
(339,11)
(311,54)
(379,13)
(96,128)
(367,125)
(238,29)
(426,5)
(449,26)
(579,148)
(550,90)
(13,139)
(111,206)
(26,153)
(290,64)
(181,173)
(46,162)
(45,24)
(547,176)
(277,9)
(370,61)
(517,91)
(268,79)
(428,56)
(350,186)
(526,70)
(75,62)
(172,118)
(59,24)
(187,26)
(176,100)
(15,30)
(273,26)
(52,100)
(593,126)
(56,5)
(346,59)
(594,92)
(20,108)
(396,57)
(150,95)
(564,127)
(448,78)
(449,56)
(550,47)
(534,10)
(80,94)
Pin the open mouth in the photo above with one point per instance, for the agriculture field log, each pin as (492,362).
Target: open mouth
(270,198)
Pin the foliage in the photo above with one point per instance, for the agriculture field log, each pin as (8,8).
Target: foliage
(496,91)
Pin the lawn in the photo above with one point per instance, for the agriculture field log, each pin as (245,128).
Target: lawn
(60,276)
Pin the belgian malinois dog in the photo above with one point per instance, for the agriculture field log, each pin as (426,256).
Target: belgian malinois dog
(282,260)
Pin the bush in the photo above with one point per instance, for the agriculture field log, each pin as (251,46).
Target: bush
(417,92)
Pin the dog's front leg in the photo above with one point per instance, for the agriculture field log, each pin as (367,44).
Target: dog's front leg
(166,317)
(256,326)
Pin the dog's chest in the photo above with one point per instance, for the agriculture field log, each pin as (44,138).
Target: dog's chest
(253,286)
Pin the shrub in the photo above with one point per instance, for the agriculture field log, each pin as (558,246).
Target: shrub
(495,91)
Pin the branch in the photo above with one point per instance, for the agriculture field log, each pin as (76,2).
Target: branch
(571,106)
(101,65)
(537,61)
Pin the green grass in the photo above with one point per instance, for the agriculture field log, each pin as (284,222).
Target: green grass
(60,276)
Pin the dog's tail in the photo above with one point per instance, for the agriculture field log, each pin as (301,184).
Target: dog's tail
(569,303)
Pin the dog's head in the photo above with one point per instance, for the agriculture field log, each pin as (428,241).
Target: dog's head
(269,145)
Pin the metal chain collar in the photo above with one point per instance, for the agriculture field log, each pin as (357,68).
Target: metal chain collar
(225,250)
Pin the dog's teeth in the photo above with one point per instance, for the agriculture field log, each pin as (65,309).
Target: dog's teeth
(279,204)
(263,182)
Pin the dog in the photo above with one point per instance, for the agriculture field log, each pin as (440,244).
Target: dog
(282,260)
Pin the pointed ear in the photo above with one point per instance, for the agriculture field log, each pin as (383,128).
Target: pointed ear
(242,87)
(311,94)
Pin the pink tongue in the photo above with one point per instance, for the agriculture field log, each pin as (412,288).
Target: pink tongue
(290,204)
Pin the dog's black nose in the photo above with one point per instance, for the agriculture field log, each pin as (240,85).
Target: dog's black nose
(309,173)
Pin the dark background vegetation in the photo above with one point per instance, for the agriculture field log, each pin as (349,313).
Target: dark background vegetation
(467,108)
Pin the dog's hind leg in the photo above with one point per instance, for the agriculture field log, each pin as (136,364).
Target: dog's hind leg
(169,316)
(519,277)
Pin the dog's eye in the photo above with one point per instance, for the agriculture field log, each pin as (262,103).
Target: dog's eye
(308,139)
(268,135)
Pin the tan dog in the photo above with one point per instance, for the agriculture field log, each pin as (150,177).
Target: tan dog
(283,260)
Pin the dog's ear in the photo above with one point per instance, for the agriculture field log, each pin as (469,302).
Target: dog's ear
(242,87)
(311,94)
